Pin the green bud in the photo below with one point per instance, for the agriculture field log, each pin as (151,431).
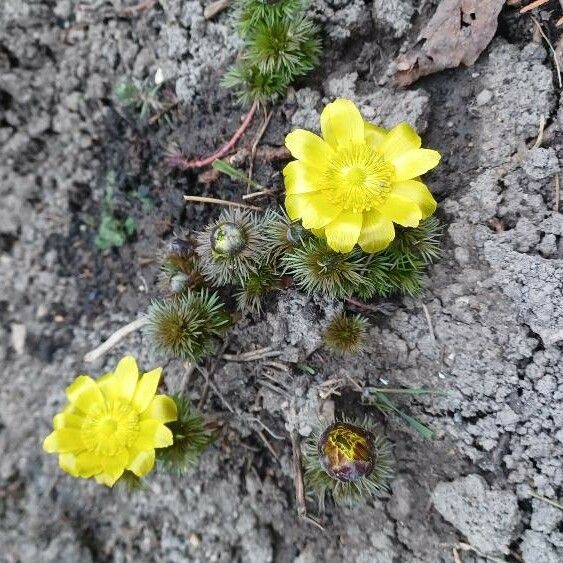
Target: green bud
(228,239)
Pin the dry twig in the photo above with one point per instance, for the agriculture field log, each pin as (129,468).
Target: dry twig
(210,383)
(277,365)
(557,194)
(211,10)
(114,339)
(216,201)
(253,355)
(533,6)
(268,192)
(467,547)
(209,376)
(549,501)
(429,321)
(274,388)
(299,483)
(539,140)
(267,444)
(143,6)
(266,153)
(267,429)
(257,139)
(275,380)
(555,58)
(384,308)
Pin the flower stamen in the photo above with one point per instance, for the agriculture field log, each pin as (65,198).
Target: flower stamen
(358,178)
(110,427)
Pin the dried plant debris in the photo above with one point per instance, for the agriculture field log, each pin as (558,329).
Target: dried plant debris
(457,33)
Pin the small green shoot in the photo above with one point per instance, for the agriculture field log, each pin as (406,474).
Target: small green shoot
(305,368)
(377,397)
(235,174)
(144,98)
(281,44)
(113,232)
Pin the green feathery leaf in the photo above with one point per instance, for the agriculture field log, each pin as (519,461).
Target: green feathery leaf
(418,244)
(251,85)
(316,268)
(191,437)
(254,288)
(252,12)
(281,234)
(289,47)
(347,333)
(187,327)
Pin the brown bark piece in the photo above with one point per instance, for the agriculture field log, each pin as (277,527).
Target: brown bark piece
(457,33)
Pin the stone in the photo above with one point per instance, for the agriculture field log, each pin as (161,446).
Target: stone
(487,518)
(484,97)
(540,163)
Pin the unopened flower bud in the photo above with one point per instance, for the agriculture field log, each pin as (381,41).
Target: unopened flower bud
(347,452)
(228,239)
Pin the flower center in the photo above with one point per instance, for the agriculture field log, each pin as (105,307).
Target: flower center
(359,178)
(110,427)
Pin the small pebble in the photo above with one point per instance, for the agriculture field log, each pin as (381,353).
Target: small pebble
(18,335)
(484,97)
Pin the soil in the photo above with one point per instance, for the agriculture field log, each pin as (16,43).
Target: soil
(487,331)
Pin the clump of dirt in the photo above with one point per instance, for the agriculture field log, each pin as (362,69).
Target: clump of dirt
(488,336)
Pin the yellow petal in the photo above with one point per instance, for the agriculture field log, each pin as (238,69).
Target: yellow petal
(342,123)
(309,148)
(67,420)
(401,139)
(146,388)
(343,233)
(105,383)
(161,408)
(63,441)
(418,193)
(114,465)
(377,232)
(88,464)
(401,210)
(313,209)
(299,178)
(126,375)
(413,163)
(83,393)
(141,462)
(153,434)
(67,462)
(105,479)
(374,135)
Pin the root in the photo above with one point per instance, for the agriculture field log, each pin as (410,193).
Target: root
(225,149)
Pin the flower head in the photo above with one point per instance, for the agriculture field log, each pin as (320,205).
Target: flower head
(351,185)
(112,424)
(230,247)
(347,451)
(349,459)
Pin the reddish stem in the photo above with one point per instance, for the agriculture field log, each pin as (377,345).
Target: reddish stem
(199,163)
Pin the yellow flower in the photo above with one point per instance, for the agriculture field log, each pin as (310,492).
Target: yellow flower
(112,424)
(351,185)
